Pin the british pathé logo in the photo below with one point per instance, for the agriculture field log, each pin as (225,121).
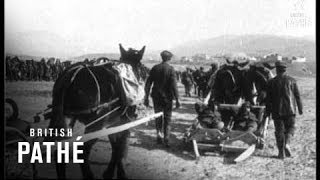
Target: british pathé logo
(62,148)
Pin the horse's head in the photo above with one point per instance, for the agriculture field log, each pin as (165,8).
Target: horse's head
(134,57)
(131,56)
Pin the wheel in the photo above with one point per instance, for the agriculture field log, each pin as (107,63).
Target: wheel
(13,169)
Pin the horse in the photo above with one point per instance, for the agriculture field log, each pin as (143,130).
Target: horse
(78,94)
(227,87)
(255,83)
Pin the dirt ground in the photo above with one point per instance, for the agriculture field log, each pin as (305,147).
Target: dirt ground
(147,160)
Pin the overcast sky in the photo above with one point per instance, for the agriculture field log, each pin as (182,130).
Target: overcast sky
(159,24)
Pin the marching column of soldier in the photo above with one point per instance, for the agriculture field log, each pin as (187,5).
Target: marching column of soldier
(31,70)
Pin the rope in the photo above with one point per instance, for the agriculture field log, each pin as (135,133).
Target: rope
(260,74)
(229,72)
(95,121)
(75,74)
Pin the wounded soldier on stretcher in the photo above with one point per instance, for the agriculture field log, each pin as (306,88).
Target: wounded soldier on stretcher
(208,117)
(245,119)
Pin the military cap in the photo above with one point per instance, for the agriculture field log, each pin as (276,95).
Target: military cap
(280,64)
(166,54)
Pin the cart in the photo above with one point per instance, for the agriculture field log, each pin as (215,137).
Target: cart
(229,140)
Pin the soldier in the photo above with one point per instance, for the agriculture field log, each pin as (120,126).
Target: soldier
(209,117)
(283,96)
(29,70)
(35,70)
(8,68)
(59,67)
(163,78)
(202,83)
(245,119)
(187,81)
(40,70)
(22,71)
(54,71)
(47,71)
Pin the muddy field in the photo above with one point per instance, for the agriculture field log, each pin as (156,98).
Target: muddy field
(147,160)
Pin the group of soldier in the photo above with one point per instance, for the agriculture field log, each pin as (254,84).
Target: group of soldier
(283,99)
(31,70)
(201,80)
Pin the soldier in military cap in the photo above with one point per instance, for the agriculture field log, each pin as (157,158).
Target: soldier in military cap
(164,91)
(246,120)
(283,97)
(187,81)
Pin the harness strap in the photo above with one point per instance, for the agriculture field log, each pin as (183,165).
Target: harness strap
(88,111)
(229,72)
(260,74)
(75,73)
(233,80)
(96,81)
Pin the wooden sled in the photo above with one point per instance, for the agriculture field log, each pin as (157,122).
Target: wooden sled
(231,141)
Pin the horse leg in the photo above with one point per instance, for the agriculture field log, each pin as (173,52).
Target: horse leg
(60,167)
(109,172)
(85,167)
(122,153)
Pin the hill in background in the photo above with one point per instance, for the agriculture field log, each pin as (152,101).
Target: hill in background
(254,45)
(30,46)
(43,43)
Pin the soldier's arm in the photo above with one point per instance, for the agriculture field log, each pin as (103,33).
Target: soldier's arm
(297,97)
(269,97)
(173,80)
(253,117)
(148,84)
(191,77)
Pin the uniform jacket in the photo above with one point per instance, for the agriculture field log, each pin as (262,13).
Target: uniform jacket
(187,79)
(212,122)
(283,96)
(163,78)
(244,121)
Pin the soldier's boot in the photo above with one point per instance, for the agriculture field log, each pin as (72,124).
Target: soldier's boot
(159,139)
(159,130)
(288,152)
(166,136)
(159,136)
(281,147)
